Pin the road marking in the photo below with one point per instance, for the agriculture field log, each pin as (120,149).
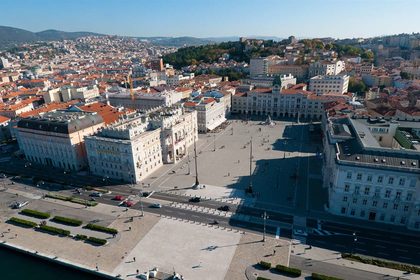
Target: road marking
(278,233)
(402,250)
(319,232)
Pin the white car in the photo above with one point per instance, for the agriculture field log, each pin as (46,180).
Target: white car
(156,205)
(96,194)
(300,232)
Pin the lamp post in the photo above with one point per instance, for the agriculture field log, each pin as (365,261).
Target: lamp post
(214,142)
(265,217)
(196,166)
(354,242)
(249,190)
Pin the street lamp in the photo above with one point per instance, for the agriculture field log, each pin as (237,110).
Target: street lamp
(265,217)
(354,242)
(249,189)
(214,142)
(196,168)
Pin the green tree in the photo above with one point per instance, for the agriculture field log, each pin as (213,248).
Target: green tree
(357,86)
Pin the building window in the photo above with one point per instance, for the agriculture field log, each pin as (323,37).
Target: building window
(343,210)
(390,180)
(401,182)
(398,195)
(346,187)
(380,179)
(395,206)
(406,208)
(345,199)
(364,201)
(403,219)
(367,190)
(388,193)
(374,203)
(348,175)
(369,178)
(385,205)
(354,200)
(409,196)
(352,212)
(359,176)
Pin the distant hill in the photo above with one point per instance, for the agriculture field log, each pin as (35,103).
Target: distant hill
(55,35)
(178,41)
(10,36)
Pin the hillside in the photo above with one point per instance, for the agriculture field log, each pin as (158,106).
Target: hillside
(55,35)
(211,53)
(10,36)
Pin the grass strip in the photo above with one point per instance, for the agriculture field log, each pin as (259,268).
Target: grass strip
(35,214)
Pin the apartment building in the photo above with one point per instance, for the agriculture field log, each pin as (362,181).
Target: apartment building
(129,150)
(322,68)
(368,175)
(67,93)
(148,100)
(57,138)
(298,71)
(329,84)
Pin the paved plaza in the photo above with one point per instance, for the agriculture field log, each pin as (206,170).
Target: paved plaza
(279,151)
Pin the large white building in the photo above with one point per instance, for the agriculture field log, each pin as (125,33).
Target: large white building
(128,150)
(329,84)
(67,93)
(210,112)
(57,138)
(368,175)
(148,100)
(178,131)
(321,68)
(282,103)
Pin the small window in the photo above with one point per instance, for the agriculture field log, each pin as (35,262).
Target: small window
(380,179)
(390,180)
(385,205)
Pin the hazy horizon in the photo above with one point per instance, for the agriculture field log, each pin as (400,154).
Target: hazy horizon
(218,18)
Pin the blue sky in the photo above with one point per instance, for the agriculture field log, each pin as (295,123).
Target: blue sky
(207,18)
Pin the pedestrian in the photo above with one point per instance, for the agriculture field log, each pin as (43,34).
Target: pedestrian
(16,235)
(137,271)
(129,228)
(134,259)
(274,252)
(8,229)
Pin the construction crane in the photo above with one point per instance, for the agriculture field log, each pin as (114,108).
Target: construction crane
(130,81)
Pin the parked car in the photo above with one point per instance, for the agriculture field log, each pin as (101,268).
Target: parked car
(224,208)
(119,198)
(156,205)
(96,194)
(195,199)
(128,203)
(300,232)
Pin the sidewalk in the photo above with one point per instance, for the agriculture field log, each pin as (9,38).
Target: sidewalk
(333,257)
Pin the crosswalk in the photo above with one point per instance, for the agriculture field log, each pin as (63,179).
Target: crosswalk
(323,232)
